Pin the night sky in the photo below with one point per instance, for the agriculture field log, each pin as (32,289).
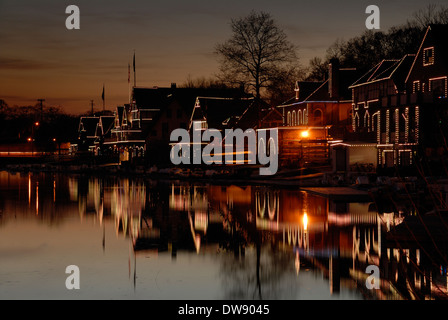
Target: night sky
(173,39)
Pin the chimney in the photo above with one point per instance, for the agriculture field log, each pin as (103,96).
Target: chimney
(173,85)
(333,79)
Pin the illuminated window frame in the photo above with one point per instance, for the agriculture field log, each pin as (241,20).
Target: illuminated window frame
(397,126)
(387,126)
(417,124)
(356,121)
(367,120)
(416,85)
(428,61)
(439,78)
(378,125)
(406,124)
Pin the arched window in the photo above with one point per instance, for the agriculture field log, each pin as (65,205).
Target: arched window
(294,119)
(299,118)
(367,120)
(318,117)
(272,147)
(356,120)
(288,121)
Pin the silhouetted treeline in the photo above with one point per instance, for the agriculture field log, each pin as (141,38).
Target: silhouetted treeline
(371,47)
(46,126)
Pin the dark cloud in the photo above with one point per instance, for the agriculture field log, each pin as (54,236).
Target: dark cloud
(24,64)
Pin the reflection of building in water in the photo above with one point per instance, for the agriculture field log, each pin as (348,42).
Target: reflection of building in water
(342,239)
(339,239)
(122,200)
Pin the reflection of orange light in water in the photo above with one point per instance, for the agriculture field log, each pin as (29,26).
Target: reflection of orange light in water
(297,262)
(305,222)
(305,134)
(37,199)
(29,190)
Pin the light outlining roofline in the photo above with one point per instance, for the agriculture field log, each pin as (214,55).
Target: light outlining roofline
(377,67)
(316,90)
(418,53)
(306,102)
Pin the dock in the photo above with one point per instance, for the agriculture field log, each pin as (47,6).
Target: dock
(340,193)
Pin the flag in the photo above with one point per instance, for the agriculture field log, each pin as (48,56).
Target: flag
(134,62)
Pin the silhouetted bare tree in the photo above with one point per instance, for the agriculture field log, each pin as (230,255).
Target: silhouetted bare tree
(431,14)
(256,53)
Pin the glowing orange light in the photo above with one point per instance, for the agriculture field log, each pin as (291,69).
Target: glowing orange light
(29,139)
(54,139)
(305,222)
(36,124)
(305,134)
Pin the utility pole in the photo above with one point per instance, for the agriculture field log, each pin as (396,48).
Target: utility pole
(91,104)
(41,101)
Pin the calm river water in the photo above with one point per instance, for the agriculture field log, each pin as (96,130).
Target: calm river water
(142,239)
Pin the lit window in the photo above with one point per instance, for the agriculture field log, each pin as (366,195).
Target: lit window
(428,56)
(416,86)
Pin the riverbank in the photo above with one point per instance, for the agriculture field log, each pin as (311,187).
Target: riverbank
(378,188)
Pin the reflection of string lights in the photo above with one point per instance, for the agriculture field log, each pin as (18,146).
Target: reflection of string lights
(417,124)
(305,222)
(37,198)
(297,262)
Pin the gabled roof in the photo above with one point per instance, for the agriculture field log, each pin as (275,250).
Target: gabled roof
(159,98)
(220,112)
(439,33)
(381,71)
(88,125)
(251,117)
(318,91)
(395,70)
(119,114)
(320,94)
(106,124)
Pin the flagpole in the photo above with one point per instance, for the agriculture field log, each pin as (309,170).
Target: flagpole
(135,77)
(104,98)
(129,82)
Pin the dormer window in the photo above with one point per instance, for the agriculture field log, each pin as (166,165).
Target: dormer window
(428,56)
